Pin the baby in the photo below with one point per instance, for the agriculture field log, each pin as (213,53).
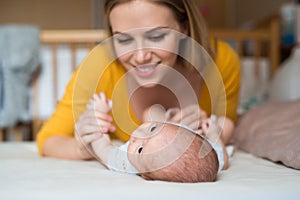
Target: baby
(160,150)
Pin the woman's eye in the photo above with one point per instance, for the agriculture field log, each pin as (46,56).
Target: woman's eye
(123,41)
(152,128)
(156,38)
(140,149)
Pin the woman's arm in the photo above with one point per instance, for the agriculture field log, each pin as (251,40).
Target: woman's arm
(66,148)
(227,126)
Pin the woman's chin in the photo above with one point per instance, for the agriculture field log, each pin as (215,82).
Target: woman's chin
(149,85)
(144,83)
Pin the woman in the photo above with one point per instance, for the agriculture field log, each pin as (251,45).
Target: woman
(146,37)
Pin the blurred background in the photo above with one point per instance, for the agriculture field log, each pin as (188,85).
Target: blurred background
(52,37)
(88,14)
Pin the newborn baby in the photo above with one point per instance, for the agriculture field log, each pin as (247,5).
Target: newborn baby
(160,151)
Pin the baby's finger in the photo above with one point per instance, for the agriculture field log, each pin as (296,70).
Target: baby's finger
(110,104)
(102,95)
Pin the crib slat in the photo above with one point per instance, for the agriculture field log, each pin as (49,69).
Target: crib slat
(54,72)
(274,43)
(239,46)
(1,135)
(257,52)
(73,48)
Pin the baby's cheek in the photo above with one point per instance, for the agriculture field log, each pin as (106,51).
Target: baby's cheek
(133,159)
(137,160)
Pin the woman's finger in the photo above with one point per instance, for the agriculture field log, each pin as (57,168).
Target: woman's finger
(91,114)
(87,139)
(192,124)
(189,114)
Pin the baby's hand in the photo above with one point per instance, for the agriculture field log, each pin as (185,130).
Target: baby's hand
(101,106)
(94,123)
(100,103)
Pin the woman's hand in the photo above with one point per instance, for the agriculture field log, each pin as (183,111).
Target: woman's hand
(191,116)
(212,129)
(93,123)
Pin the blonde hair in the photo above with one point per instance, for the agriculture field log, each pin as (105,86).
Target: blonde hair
(186,12)
(191,167)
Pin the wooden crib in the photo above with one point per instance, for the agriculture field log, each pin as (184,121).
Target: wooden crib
(265,44)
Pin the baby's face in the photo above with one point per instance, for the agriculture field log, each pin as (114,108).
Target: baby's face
(150,136)
(152,145)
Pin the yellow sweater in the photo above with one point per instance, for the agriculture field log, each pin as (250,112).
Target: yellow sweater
(85,82)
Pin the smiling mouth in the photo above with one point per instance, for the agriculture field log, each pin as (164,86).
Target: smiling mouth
(146,70)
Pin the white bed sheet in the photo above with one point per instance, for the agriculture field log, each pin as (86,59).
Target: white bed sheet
(24,175)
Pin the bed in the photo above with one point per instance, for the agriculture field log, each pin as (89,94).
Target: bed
(25,175)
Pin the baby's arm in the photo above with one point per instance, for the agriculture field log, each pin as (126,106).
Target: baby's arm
(101,148)
(102,145)
(114,158)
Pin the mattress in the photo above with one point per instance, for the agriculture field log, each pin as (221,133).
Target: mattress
(25,175)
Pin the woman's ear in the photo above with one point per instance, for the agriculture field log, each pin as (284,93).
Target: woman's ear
(185,30)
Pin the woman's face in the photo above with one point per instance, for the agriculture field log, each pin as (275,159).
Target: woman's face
(146,39)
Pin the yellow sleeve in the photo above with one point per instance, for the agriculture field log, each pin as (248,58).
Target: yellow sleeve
(228,65)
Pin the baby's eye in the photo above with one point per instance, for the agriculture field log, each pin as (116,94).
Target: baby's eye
(140,149)
(152,128)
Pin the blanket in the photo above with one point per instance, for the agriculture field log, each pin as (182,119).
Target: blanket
(19,58)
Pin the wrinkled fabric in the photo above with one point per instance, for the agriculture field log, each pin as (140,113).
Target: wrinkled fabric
(19,58)
(272,131)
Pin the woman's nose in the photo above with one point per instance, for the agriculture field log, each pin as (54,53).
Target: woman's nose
(142,56)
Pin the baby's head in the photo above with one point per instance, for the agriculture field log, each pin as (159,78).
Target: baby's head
(164,151)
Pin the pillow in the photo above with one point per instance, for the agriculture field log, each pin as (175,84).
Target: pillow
(271,131)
